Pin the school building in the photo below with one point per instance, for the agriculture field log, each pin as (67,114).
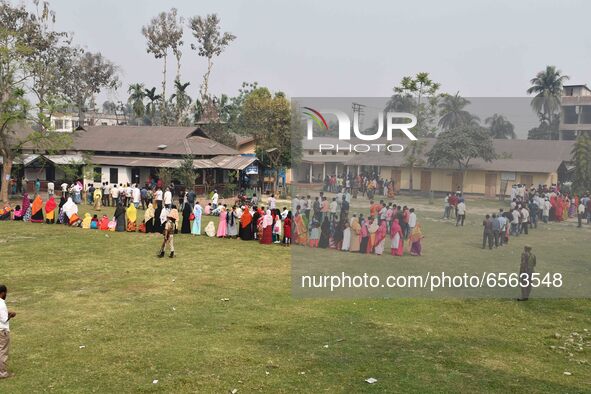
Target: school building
(519,161)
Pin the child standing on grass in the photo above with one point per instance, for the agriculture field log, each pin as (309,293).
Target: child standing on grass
(169,228)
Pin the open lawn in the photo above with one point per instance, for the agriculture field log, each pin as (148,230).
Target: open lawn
(98,312)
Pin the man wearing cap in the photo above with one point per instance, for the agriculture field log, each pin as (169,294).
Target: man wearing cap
(169,228)
(526,269)
(5,316)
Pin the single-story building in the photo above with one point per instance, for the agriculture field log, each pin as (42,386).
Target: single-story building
(135,154)
(519,161)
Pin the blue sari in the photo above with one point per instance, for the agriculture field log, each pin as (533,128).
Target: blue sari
(196,228)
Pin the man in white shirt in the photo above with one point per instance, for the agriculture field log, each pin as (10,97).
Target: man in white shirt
(271,202)
(515,222)
(115,194)
(136,195)
(461,216)
(580,213)
(333,208)
(214,199)
(168,199)
(64,187)
(412,219)
(5,316)
(50,188)
(158,197)
(524,219)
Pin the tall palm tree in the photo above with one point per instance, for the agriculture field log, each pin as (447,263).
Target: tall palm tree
(151,106)
(547,87)
(137,94)
(453,113)
(500,128)
(182,102)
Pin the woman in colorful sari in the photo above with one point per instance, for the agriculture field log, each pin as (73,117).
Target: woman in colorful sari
(120,218)
(50,206)
(301,231)
(70,210)
(86,221)
(104,223)
(222,225)
(26,207)
(396,242)
(414,240)
(267,228)
(197,212)
(149,218)
(5,212)
(37,210)
(245,233)
(355,234)
(324,233)
(391,193)
(98,197)
(380,241)
(131,218)
(372,229)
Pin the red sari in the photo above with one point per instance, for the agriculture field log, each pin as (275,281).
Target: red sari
(396,250)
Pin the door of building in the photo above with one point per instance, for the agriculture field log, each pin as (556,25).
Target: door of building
(425,181)
(456,181)
(396,175)
(490,185)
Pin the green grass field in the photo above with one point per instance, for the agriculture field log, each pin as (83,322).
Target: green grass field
(98,312)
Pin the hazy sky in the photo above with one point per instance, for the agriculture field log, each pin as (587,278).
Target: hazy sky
(350,48)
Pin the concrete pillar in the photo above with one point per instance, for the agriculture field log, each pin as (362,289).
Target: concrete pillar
(311,165)
(323,171)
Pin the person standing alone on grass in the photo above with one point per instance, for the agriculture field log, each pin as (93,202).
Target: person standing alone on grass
(580,213)
(5,316)
(526,270)
(169,229)
(460,213)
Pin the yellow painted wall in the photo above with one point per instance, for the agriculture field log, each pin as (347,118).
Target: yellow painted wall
(441,180)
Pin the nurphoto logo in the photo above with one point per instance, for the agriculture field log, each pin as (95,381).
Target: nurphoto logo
(393,123)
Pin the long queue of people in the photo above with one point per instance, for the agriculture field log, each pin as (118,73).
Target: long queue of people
(319,223)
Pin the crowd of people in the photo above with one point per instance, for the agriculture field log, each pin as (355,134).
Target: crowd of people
(362,184)
(320,223)
(528,207)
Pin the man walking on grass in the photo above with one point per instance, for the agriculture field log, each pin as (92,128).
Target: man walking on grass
(5,316)
(526,270)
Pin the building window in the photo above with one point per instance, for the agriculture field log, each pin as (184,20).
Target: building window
(97,174)
(310,152)
(113,175)
(58,124)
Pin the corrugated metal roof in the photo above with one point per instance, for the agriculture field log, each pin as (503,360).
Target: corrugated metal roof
(149,162)
(234,162)
(148,139)
(65,159)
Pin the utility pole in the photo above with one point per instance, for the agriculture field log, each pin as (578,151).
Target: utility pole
(359,108)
